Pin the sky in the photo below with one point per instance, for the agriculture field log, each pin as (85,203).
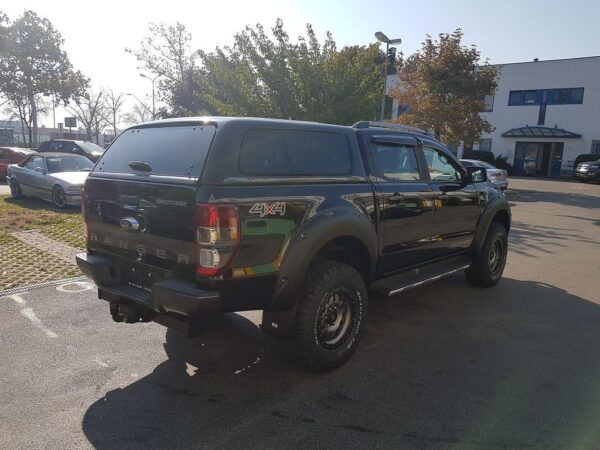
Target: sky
(97,32)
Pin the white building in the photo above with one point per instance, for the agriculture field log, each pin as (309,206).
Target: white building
(545,113)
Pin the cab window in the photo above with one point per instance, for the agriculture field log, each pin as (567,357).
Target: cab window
(396,163)
(36,163)
(440,167)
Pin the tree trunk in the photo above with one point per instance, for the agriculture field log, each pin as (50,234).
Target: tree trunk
(33,106)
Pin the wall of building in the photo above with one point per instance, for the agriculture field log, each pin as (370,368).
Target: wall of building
(583,119)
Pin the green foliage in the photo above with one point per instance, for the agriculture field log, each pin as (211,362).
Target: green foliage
(501,162)
(480,155)
(33,65)
(166,53)
(269,75)
(445,84)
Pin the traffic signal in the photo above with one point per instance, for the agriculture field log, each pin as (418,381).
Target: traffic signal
(391,55)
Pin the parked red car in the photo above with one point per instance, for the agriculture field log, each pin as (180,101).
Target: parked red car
(11,155)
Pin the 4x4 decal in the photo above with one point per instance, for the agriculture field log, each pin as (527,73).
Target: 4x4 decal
(268,209)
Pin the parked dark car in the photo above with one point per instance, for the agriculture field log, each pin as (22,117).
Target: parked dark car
(588,171)
(195,216)
(56,177)
(87,149)
(498,177)
(11,155)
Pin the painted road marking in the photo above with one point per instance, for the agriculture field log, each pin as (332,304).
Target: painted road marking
(28,312)
(75,286)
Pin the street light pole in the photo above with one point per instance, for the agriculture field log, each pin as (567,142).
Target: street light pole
(152,80)
(383,38)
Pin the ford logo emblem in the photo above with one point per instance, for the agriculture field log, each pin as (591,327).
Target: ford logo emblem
(130,224)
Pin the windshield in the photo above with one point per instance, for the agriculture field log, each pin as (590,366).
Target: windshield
(90,147)
(68,164)
(162,150)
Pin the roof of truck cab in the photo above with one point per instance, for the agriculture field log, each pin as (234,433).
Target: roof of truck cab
(250,121)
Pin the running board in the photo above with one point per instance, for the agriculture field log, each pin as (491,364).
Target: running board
(420,276)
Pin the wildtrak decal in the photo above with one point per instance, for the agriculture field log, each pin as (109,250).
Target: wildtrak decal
(268,209)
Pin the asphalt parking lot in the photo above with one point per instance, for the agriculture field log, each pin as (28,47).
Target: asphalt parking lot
(446,365)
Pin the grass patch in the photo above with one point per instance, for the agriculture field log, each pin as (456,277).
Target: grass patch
(22,264)
(19,214)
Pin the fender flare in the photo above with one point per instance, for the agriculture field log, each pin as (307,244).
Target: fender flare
(488,215)
(321,229)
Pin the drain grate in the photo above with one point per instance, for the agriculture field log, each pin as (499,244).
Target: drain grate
(21,289)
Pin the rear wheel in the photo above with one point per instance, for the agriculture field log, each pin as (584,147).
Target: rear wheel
(331,312)
(488,264)
(58,197)
(15,189)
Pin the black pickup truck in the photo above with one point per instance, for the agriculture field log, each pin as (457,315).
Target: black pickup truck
(190,217)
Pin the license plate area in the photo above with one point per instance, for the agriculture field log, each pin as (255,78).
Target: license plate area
(139,278)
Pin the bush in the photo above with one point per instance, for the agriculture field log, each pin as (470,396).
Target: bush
(501,162)
(480,155)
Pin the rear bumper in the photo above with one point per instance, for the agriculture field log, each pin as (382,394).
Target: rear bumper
(167,296)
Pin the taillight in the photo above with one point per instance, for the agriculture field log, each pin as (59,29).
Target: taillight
(217,237)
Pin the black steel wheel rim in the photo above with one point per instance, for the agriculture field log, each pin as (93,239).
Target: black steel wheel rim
(60,199)
(336,318)
(496,256)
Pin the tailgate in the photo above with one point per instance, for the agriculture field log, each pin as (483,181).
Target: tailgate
(144,222)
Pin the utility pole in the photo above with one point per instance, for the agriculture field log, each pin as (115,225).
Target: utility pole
(153,80)
(383,38)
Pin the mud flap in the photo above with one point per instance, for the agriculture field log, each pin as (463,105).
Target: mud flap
(279,323)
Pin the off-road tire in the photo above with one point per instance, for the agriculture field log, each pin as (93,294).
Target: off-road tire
(329,281)
(58,197)
(486,270)
(15,189)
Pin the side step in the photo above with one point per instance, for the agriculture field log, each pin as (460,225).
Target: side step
(411,278)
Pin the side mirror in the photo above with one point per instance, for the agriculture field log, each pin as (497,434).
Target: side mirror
(477,174)
(40,170)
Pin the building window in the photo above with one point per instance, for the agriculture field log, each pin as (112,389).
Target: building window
(485,145)
(595,148)
(489,103)
(567,96)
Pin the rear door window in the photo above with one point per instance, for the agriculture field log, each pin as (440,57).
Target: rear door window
(178,151)
(294,152)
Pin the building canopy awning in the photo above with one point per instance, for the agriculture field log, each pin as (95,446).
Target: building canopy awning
(540,132)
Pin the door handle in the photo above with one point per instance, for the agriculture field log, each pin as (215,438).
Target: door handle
(397,197)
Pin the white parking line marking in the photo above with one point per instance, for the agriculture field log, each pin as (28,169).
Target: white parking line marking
(28,312)
(17,298)
(77,286)
(101,363)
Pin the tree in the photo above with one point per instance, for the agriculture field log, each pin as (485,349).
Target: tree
(303,80)
(33,64)
(140,113)
(442,88)
(113,104)
(90,110)
(166,52)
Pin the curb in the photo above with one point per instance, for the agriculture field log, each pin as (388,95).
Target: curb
(21,289)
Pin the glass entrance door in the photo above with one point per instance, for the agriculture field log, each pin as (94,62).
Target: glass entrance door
(538,158)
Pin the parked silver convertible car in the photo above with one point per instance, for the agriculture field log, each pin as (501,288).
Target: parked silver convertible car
(57,177)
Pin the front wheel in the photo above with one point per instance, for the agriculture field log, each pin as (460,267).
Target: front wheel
(488,264)
(58,197)
(15,189)
(332,307)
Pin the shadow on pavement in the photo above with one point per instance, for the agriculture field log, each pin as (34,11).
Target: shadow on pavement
(528,239)
(562,198)
(447,365)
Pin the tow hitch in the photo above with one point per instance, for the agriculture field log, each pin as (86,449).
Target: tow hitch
(129,313)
